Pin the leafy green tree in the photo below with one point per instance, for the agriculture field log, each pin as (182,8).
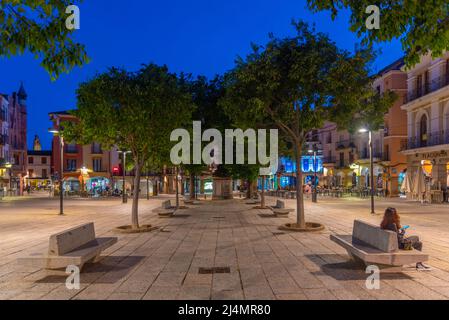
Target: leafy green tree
(248,173)
(371,117)
(38,26)
(135,111)
(205,95)
(298,83)
(422,26)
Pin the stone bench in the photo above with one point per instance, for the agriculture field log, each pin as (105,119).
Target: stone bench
(254,200)
(370,245)
(166,209)
(76,246)
(187,200)
(279,209)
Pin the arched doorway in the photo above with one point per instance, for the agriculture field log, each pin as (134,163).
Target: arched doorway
(423,134)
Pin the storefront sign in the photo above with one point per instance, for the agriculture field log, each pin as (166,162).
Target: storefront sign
(433,155)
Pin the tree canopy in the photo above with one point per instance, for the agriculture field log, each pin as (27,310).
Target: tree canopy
(299,82)
(135,111)
(422,26)
(38,27)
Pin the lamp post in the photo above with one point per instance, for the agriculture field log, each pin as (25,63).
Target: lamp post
(8,166)
(59,132)
(84,172)
(177,187)
(124,153)
(314,151)
(371,160)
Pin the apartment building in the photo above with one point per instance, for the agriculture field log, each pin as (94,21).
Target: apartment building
(85,167)
(18,138)
(346,156)
(13,141)
(4,143)
(427,109)
(39,166)
(394,79)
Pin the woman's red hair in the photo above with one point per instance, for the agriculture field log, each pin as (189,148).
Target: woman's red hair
(391,216)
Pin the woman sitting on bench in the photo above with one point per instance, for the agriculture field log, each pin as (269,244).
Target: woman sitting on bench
(392,222)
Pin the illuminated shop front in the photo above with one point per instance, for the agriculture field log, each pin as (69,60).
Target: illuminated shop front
(435,166)
(309,165)
(97,184)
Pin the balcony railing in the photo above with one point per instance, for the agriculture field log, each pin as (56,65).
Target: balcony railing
(364,155)
(96,150)
(345,144)
(432,139)
(342,163)
(433,86)
(329,160)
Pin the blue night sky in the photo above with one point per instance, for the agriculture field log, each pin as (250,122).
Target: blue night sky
(197,36)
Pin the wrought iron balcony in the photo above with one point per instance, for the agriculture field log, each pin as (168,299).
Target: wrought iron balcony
(345,144)
(365,155)
(432,139)
(329,160)
(433,86)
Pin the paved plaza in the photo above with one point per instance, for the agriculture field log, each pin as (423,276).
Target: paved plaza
(265,263)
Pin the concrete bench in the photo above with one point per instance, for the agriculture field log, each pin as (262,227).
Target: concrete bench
(255,200)
(76,246)
(166,209)
(370,245)
(187,200)
(280,210)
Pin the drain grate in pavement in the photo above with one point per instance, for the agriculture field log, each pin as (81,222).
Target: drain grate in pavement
(218,217)
(213,270)
(278,233)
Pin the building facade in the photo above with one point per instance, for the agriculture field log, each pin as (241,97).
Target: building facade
(18,139)
(346,156)
(394,79)
(4,144)
(39,167)
(13,142)
(427,109)
(86,168)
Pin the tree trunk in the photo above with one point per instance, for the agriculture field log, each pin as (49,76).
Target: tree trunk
(262,197)
(177,188)
(155,187)
(300,219)
(183,191)
(148,188)
(248,191)
(192,186)
(135,207)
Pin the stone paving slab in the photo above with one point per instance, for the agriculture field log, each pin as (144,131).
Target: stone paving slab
(264,262)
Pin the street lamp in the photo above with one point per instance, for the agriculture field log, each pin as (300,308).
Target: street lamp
(371,160)
(8,166)
(84,172)
(59,132)
(124,153)
(314,151)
